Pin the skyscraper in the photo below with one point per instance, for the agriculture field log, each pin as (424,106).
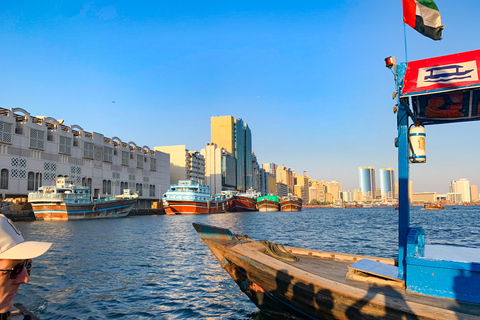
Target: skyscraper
(367,181)
(387,183)
(236,138)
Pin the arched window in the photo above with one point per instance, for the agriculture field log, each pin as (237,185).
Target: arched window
(4,179)
(31,181)
(109,187)
(89,184)
(139,189)
(104,189)
(38,180)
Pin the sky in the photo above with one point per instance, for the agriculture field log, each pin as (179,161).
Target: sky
(308,77)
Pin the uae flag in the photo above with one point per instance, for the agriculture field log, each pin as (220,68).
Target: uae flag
(423,16)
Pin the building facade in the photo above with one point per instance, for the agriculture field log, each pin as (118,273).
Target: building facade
(236,138)
(367,182)
(387,184)
(34,151)
(220,168)
(461,186)
(184,164)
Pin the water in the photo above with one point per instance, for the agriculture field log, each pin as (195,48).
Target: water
(156,267)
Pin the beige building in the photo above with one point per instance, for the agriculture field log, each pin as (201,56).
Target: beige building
(304,181)
(184,164)
(286,176)
(358,195)
(222,132)
(299,192)
(312,193)
(424,197)
(334,188)
(474,193)
(272,187)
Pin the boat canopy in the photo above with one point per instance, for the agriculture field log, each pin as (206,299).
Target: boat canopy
(442,89)
(269,197)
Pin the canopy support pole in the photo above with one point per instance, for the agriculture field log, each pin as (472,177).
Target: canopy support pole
(403,186)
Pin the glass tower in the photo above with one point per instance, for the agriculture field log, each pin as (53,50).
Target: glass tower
(367,181)
(387,183)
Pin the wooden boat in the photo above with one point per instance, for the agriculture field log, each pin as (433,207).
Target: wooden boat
(190,197)
(290,203)
(67,201)
(268,204)
(241,202)
(433,206)
(425,282)
(323,285)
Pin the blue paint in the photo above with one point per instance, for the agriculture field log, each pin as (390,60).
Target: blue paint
(211,232)
(440,277)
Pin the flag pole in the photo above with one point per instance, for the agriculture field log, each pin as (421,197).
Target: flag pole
(405,38)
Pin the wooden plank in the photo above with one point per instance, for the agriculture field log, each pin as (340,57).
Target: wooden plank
(377,269)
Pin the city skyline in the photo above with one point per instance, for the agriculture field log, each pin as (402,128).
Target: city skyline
(156,73)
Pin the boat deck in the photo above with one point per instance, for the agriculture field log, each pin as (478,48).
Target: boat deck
(335,266)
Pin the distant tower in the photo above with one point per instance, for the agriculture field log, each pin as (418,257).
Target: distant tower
(367,181)
(387,183)
(235,136)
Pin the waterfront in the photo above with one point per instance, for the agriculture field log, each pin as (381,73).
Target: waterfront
(156,267)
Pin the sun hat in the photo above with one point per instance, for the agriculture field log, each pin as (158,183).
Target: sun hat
(14,247)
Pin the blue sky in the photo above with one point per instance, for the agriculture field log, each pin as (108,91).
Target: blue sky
(308,77)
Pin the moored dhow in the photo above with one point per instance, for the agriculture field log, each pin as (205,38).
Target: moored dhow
(67,201)
(268,204)
(290,203)
(190,197)
(246,201)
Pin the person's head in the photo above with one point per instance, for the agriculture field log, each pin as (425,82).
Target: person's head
(15,260)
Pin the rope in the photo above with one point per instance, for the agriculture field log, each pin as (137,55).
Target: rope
(275,250)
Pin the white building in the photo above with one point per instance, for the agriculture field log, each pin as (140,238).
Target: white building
(461,186)
(36,150)
(220,168)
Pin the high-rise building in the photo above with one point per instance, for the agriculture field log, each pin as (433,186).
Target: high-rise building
(304,181)
(270,167)
(461,186)
(220,168)
(367,181)
(286,176)
(387,183)
(236,138)
(184,164)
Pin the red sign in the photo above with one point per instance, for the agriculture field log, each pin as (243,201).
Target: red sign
(448,72)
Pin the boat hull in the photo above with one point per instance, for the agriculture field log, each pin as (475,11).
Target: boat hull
(266,205)
(317,288)
(62,212)
(194,207)
(242,204)
(290,205)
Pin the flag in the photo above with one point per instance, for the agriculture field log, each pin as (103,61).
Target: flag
(423,16)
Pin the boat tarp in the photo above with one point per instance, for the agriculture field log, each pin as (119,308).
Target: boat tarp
(269,197)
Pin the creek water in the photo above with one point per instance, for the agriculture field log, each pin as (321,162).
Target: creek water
(156,267)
